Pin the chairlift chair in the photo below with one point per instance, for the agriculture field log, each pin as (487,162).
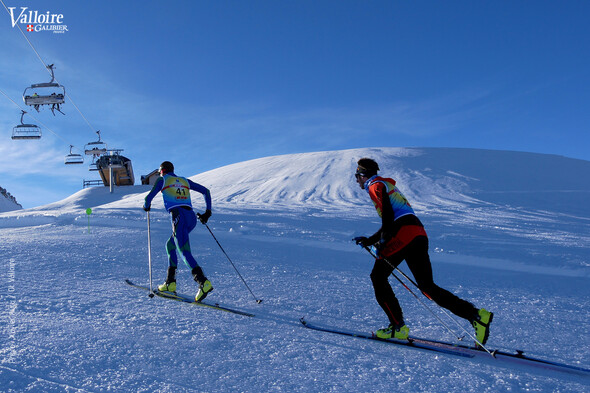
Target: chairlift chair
(49,93)
(95,148)
(26,131)
(93,165)
(74,158)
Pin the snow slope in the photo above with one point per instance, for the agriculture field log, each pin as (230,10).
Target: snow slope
(7,203)
(509,231)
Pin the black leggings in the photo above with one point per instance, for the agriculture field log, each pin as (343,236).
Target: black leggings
(416,256)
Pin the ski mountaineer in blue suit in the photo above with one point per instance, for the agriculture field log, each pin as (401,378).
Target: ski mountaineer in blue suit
(177,201)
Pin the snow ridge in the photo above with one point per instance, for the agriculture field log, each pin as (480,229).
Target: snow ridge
(7,201)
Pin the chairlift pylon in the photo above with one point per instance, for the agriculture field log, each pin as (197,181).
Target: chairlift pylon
(49,93)
(95,148)
(73,158)
(25,131)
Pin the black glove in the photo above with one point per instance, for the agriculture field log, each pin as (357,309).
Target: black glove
(146,208)
(205,216)
(362,241)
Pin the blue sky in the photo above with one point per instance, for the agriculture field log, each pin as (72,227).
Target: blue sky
(209,83)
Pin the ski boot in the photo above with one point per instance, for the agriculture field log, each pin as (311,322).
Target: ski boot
(482,325)
(204,290)
(204,285)
(393,331)
(170,284)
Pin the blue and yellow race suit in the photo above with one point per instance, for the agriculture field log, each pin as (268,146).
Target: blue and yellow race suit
(177,201)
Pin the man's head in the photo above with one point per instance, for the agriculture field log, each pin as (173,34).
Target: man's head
(367,168)
(166,167)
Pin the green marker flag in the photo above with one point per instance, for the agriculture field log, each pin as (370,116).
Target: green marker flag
(89,212)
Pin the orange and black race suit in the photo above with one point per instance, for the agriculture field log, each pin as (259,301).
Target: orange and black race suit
(399,224)
(402,237)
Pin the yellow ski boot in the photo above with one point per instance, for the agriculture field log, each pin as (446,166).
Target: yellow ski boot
(167,287)
(204,290)
(482,325)
(401,333)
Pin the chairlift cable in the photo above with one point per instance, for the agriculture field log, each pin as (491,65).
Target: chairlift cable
(80,112)
(6,95)
(26,38)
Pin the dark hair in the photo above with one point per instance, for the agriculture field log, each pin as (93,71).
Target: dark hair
(367,166)
(167,167)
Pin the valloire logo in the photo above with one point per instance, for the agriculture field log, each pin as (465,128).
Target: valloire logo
(36,21)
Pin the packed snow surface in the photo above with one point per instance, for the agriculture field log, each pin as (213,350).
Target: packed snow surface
(508,231)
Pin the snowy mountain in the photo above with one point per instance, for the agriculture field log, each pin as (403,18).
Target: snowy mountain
(8,202)
(509,231)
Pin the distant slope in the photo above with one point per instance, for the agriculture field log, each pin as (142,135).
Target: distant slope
(432,178)
(8,202)
(440,180)
(325,180)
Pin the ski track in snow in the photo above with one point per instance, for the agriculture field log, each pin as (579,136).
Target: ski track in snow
(70,323)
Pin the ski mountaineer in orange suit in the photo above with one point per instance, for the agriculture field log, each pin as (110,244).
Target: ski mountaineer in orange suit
(177,201)
(402,237)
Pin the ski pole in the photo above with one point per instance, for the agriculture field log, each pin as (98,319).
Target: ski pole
(430,298)
(230,261)
(150,254)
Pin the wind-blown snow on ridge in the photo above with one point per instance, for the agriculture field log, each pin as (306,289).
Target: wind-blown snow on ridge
(323,180)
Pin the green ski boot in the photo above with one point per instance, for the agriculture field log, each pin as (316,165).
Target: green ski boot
(204,290)
(401,332)
(170,284)
(482,325)
(167,287)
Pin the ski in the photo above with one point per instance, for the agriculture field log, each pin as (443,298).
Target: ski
(411,343)
(498,357)
(189,299)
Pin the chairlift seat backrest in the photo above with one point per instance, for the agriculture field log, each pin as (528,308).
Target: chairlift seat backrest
(74,159)
(26,131)
(45,99)
(95,151)
(95,148)
(56,94)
